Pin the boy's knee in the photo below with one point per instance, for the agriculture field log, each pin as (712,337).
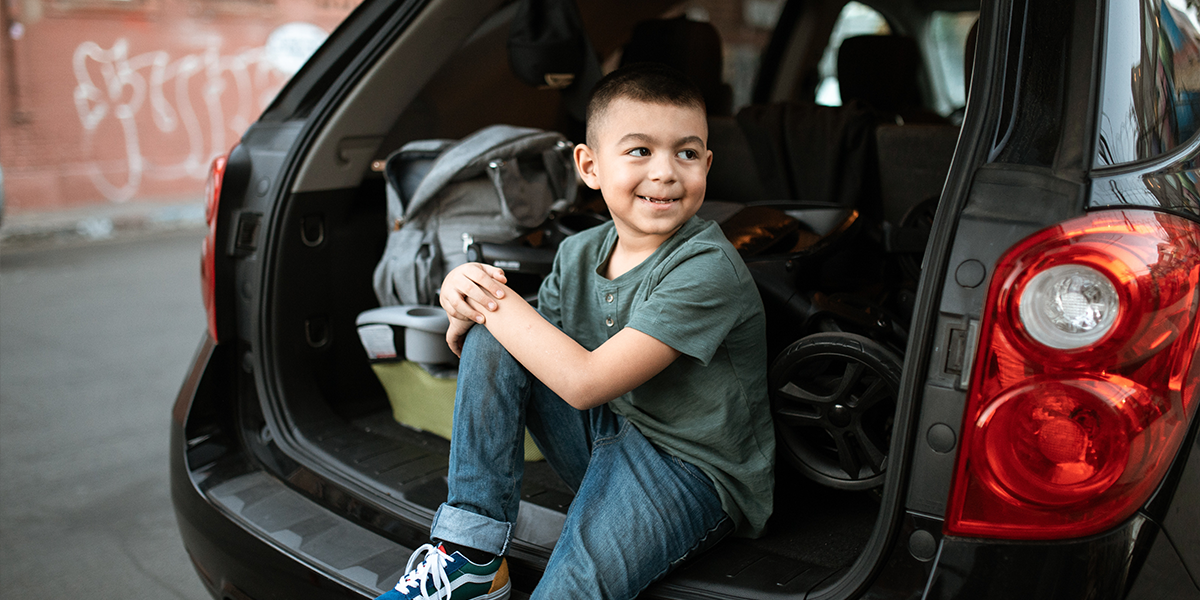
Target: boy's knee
(479,339)
(481,348)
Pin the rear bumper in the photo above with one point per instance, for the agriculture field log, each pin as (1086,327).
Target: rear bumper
(1135,561)
(250,537)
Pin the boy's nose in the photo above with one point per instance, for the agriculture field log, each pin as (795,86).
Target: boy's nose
(662,168)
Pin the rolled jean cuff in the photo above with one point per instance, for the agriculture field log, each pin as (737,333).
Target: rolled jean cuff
(472,530)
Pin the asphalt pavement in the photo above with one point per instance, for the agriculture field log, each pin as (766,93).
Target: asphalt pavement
(98,323)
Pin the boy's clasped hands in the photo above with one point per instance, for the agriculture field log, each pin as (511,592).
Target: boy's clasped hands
(467,291)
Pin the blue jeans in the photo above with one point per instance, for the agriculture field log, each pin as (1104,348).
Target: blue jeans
(637,512)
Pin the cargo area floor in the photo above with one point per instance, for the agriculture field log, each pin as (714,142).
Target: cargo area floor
(815,531)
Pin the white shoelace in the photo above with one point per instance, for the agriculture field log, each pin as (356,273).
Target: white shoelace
(434,566)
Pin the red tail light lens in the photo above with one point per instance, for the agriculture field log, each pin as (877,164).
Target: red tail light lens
(208,248)
(1084,380)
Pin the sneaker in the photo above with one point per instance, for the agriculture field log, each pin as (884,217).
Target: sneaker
(442,576)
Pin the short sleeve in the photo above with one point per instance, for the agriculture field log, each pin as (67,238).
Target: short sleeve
(696,303)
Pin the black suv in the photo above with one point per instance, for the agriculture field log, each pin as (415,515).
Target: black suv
(983,318)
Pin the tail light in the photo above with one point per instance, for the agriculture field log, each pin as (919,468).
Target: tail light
(1085,378)
(208,249)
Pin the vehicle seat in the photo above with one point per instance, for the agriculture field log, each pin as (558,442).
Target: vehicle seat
(883,71)
(913,163)
(693,47)
(734,175)
(814,164)
(823,155)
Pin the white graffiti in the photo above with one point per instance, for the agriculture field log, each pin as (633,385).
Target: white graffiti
(198,104)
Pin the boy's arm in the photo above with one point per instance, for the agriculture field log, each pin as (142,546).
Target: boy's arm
(584,379)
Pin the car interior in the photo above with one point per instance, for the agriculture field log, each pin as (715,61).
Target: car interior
(830,204)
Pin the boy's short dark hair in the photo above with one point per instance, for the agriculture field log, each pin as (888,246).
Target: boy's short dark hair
(644,82)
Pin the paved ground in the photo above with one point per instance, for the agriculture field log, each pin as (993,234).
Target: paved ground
(100,222)
(95,337)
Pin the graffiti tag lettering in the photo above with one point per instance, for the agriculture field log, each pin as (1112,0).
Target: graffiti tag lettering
(196,105)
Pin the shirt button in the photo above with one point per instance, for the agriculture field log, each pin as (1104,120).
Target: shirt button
(608,298)
(608,321)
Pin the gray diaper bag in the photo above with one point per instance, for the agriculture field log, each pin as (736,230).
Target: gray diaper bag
(494,185)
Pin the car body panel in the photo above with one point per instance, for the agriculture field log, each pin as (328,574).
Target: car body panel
(230,544)
(1097,568)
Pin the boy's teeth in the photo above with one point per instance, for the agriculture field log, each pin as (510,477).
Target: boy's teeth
(657,200)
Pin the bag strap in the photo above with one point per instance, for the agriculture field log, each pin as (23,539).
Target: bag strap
(403,171)
(455,160)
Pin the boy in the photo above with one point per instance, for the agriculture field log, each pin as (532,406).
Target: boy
(641,375)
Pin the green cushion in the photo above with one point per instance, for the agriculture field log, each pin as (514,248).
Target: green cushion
(425,402)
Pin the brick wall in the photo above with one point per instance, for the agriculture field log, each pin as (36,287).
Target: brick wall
(107,101)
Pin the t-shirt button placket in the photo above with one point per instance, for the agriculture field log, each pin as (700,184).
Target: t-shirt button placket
(608,298)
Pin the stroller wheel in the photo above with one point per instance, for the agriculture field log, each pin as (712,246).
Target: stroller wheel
(833,399)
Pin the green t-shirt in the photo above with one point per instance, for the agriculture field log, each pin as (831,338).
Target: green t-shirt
(710,406)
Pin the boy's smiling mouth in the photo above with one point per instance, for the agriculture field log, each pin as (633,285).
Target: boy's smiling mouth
(658,200)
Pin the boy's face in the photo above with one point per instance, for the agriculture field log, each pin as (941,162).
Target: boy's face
(650,161)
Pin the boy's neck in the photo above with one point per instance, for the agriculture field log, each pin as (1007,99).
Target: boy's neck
(630,251)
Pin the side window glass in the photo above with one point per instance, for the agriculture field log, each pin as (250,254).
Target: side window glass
(856,19)
(1150,103)
(946,38)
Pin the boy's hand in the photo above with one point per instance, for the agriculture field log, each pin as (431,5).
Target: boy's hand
(456,335)
(469,288)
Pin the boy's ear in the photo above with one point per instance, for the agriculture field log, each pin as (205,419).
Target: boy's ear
(585,163)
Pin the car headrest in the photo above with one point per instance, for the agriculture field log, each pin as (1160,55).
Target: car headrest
(880,70)
(692,47)
(549,49)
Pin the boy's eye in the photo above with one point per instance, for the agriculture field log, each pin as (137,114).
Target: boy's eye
(688,154)
(640,152)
